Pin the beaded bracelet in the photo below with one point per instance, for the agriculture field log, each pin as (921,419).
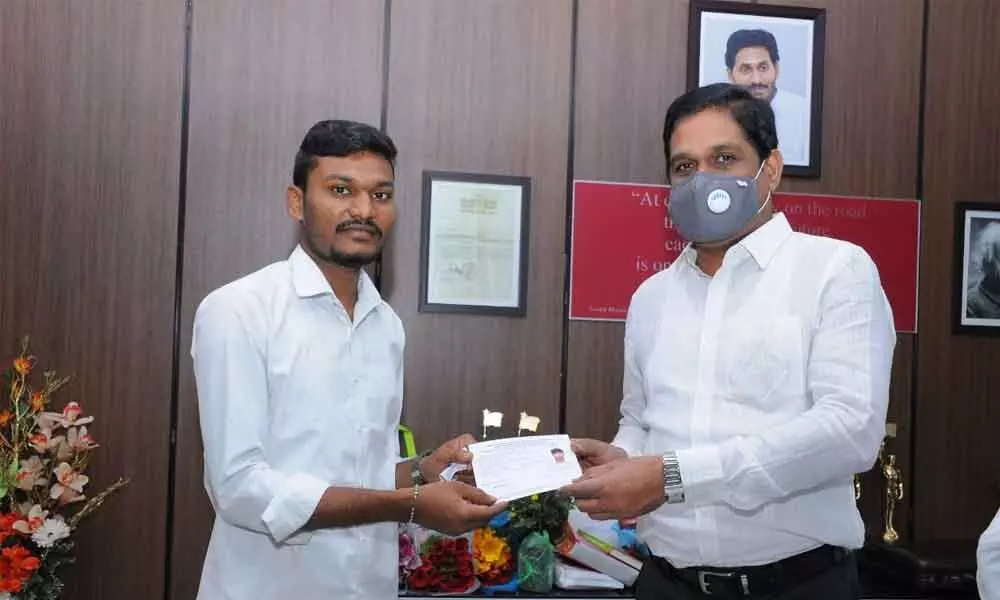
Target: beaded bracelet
(414,494)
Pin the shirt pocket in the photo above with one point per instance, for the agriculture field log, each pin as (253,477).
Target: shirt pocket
(762,362)
(380,389)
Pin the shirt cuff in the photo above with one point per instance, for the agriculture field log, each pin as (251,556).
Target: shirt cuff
(701,471)
(293,506)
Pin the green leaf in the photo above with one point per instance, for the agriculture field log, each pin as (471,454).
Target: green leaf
(8,478)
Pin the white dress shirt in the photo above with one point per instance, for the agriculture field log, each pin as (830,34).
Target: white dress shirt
(770,380)
(295,397)
(988,561)
(791,119)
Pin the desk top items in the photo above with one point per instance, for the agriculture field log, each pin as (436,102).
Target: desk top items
(491,419)
(521,548)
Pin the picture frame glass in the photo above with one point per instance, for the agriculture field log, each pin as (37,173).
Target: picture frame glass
(473,254)
(980,269)
(777,54)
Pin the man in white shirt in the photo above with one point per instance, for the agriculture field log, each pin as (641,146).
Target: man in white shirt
(988,561)
(756,380)
(299,369)
(752,61)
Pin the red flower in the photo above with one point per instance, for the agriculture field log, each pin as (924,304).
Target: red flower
(7,521)
(447,566)
(17,565)
(37,402)
(418,579)
(23,364)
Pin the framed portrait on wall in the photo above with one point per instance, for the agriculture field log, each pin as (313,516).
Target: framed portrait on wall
(977,268)
(474,243)
(776,52)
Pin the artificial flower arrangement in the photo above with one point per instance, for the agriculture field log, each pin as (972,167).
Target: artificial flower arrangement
(43,457)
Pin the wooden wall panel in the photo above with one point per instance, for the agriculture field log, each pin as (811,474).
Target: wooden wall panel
(629,66)
(481,87)
(870,148)
(958,383)
(90,130)
(631,63)
(261,75)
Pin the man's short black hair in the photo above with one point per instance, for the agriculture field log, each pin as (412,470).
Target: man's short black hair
(750,38)
(755,117)
(339,138)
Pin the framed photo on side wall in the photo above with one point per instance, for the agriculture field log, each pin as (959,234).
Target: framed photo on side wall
(776,52)
(977,268)
(474,243)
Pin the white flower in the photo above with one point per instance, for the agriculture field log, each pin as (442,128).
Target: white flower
(69,484)
(30,474)
(6,596)
(51,531)
(70,416)
(33,520)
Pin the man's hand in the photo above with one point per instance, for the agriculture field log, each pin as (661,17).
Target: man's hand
(454,451)
(620,489)
(593,453)
(453,508)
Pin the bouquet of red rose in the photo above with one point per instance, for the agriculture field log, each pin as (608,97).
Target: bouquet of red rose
(445,566)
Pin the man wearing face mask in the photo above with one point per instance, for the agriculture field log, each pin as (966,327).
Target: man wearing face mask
(756,380)
(299,369)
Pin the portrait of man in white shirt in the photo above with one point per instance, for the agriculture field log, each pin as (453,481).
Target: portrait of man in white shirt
(299,372)
(754,62)
(756,380)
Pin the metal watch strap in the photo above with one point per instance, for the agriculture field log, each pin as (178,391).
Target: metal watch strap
(673,487)
(415,474)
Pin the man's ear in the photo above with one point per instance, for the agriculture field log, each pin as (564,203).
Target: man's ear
(773,166)
(294,203)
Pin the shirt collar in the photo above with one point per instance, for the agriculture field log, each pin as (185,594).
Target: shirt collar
(762,244)
(308,280)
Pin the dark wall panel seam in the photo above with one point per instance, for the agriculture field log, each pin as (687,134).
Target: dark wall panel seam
(919,186)
(568,232)
(178,298)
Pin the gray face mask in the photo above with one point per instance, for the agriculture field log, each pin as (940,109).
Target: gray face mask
(710,207)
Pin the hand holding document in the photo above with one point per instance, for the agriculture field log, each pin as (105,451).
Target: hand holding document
(513,468)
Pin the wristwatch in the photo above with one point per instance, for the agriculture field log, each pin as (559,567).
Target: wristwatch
(415,474)
(673,487)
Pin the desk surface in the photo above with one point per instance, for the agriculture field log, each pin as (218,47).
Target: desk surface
(870,590)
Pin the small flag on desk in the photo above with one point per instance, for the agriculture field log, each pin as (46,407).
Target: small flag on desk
(528,423)
(491,419)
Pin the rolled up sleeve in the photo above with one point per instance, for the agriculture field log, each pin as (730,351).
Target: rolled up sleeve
(230,374)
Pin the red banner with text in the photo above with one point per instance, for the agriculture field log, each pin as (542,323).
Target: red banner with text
(621,235)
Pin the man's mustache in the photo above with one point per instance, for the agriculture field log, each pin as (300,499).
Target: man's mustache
(367,225)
